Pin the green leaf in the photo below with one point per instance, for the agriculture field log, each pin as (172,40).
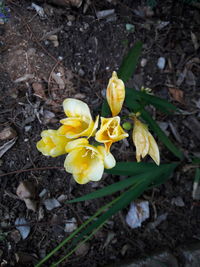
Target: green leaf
(121,202)
(157,102)
(132,168)
(153,173)
(197,175)
(129,62)
(105,110)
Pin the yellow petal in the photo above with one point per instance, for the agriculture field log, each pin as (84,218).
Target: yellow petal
(115,94)
(153,150)
(93,127)
(52,144)
(76,127)
(76,143)
(85,163)
(76,108)
(110,132)
(108,159)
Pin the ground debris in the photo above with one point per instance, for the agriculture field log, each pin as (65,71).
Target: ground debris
(138,213)
(7,133)
(4,148)
(51,203)
(70,225)
(23,227)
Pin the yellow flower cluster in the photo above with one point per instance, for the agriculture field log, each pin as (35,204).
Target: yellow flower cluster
(85,161)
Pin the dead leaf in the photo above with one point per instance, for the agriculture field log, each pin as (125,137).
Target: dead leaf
(194,41)
(7,133)
(7,146)
(25,189)
(177,95)
(39,90)
(26,192)
(57,78)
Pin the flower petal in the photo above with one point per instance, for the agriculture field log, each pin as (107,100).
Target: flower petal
(76,108)
(109,160)
(153,149)
(85,163)
(115,94)
(76,143)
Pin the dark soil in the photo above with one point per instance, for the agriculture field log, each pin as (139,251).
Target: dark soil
(89,50)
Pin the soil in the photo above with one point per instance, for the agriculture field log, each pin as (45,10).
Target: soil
(87,52)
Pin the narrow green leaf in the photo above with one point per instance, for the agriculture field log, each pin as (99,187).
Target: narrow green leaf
(122,202)
(155,173)
(105,110)
(161,104)
(129,62)
(197,175)
(132,168)
(196,160)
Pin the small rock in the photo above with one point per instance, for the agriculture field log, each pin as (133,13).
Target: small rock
(54,39)
(81,72)
(82,249)
(7,133)
(161,63)
(62,198)
(80,96)
(27,128)
(40,213)
(24,229)
(130,27)
(143,62)
(71,225)
(51,203)
(178,201)
(43,193)
(71,18)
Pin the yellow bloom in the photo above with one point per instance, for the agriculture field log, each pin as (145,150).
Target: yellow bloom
(115,94)
(79,121)
(144,142)
(52,144)
(110,132)
(86,162)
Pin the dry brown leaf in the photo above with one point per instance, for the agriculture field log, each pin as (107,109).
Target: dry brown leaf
(177,95)
(39,90)
(7,133)
(26,192)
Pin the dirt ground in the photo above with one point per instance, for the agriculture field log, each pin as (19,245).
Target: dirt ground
(83,51)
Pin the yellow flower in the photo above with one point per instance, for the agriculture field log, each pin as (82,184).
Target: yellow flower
(115,94)
(144,142)
(110,132)
(52,144)
(86,162)
(79,121)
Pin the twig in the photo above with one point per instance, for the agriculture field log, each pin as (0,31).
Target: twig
(32,169)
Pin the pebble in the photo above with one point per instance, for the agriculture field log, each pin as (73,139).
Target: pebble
(161,63)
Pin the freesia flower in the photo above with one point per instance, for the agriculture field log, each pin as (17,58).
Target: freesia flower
(87,162)
(79,121)
(144,142)
(115,94)
(52,144)
(110,132)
